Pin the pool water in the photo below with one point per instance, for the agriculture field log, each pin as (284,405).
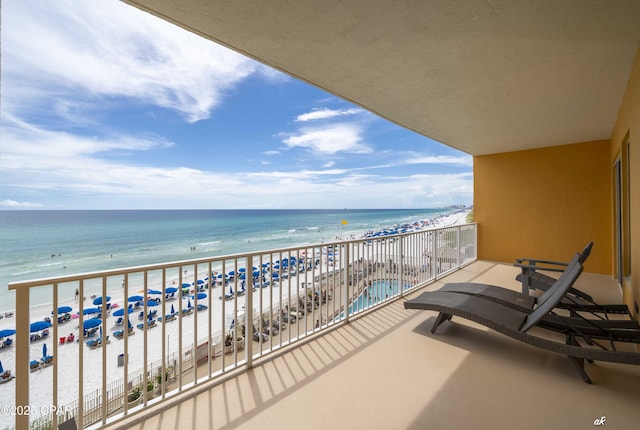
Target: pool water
(375,293)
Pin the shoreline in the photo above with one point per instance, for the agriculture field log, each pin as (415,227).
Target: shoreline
(192,334)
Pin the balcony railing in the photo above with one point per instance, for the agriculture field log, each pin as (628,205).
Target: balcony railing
(197,320)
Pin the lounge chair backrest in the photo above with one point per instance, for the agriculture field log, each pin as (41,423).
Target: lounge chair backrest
(586,252)
(577,259)
(558,291)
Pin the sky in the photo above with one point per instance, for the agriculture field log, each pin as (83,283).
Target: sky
(104,106)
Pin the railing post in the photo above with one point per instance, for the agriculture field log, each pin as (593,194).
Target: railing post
(22,357)
(344,260)
(248,315)
(401,265)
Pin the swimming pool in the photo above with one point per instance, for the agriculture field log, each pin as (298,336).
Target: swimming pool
(375,293)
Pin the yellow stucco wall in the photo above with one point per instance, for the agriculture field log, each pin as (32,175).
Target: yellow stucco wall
(628,121)
(545,203)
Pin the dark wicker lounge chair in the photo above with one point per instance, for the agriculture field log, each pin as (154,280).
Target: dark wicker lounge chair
(525,302)
(516,324)
(532,278)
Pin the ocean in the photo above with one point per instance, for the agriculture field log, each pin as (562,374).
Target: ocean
(40,244)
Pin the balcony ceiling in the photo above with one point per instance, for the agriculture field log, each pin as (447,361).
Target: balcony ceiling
(480,76)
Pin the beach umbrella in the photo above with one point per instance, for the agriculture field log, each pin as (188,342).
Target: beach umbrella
(98,300)
(91,323)
(120,312)
(275,275)
(44,350)
(173,311)
(200,282)
(200,296)
(90,311)
(189,304)
(152,303)
(153,292)
(171,290)
(135,299)
(1,368)
(64,309)
(39,325)
(242,270)
(186,285)
(7,332)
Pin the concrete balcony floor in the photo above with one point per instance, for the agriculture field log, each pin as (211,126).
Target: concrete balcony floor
(386,370)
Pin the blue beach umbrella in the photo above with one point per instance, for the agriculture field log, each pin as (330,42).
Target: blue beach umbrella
(171,290)
(135,299)
(64,309)
(7,332)
(186,285)
(91,323)
(200,281)
(98,300)
(189,304)
(90,311)
(173,311)
(1,368)
(152,303)
(44,350)
(39,325)
(154,292)
(120,312)
(200,296)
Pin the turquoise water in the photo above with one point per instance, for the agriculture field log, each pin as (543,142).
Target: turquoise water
(39,244)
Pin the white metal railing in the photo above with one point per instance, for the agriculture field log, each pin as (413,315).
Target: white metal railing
(227,311)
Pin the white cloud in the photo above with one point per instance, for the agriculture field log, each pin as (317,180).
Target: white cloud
(19,205)
(318,114)
(29,147)
(463,160)
(330,139)
(106,49)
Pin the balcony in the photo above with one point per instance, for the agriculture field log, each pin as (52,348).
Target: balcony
(273,303)
(386,370)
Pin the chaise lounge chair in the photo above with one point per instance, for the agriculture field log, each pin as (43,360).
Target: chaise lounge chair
(526,303)
(516,324)
(532,278)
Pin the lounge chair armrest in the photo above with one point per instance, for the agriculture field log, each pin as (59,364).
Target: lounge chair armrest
(535,263)
(534,267)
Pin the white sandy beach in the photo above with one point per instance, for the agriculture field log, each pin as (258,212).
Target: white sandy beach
(67,354)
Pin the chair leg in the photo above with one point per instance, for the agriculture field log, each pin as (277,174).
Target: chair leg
(442,317)
(578,362)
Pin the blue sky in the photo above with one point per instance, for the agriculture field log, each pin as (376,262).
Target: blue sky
(107,107)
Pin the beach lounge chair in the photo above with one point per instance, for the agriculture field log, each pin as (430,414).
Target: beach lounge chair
(532,278)
(34,365)
(526,303)
(516,324)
